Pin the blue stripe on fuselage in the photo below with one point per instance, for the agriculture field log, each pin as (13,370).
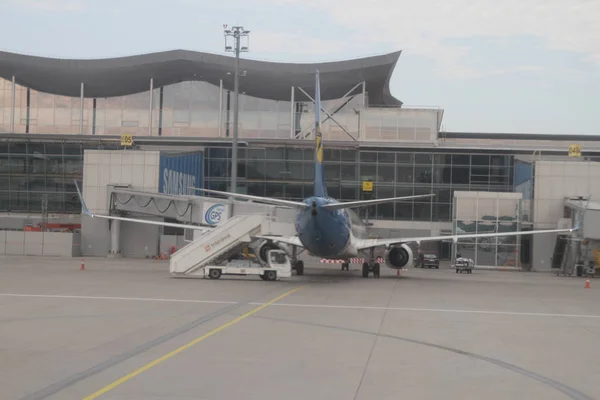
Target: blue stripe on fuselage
(325,234)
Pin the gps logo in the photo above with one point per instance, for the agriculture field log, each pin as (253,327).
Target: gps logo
(214,214)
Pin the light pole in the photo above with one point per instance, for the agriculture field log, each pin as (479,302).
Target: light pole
(237,33)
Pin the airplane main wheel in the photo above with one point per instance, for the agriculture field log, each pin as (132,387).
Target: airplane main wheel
(376,271)
(365,270)
(345,266)
(270,275)
(299,267)
(214,273)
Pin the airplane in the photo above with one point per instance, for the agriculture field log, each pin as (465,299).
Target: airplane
(327,228)
(330,229)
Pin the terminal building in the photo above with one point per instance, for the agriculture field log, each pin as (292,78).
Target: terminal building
(64,120)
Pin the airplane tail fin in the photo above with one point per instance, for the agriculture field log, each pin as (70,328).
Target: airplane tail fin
(320,190)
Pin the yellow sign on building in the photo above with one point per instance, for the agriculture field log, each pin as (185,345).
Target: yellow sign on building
(575,150)
(126,140)
(367,186)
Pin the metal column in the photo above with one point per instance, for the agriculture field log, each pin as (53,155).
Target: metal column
(150,109)
(160,109)
(27,109)
(364,94)
(115,236)
(221,108)
(292,116)
(94,116)
(12,106)
(81,110)
(236,90)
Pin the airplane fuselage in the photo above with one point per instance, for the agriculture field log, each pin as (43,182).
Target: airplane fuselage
(326,233)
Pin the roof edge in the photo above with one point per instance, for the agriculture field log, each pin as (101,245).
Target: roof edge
(120,76)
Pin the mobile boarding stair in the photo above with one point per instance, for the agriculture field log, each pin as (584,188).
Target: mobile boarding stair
(215,247)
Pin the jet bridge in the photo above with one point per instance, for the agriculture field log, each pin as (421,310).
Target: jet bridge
(200,210)
(579,249)
(177,207)
(218,245)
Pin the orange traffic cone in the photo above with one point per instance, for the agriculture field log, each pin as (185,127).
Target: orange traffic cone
(587,283)
(82,265)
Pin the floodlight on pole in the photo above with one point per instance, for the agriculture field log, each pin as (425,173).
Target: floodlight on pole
(237,33)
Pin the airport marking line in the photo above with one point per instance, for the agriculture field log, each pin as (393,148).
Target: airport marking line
(58,296)
(186,346)
(347,307)
(438,310)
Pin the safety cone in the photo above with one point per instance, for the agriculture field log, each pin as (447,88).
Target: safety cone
(587,283)
(82,265)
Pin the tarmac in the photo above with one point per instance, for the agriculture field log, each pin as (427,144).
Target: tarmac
(124,329)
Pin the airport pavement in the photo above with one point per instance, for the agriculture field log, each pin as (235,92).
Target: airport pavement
(123,329)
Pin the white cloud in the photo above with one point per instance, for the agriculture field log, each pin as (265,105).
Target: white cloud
(423,27)
(264,41)
(52,5)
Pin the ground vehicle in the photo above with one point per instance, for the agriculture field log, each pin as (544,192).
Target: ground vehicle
(464,264)
(279,266)
(428,261)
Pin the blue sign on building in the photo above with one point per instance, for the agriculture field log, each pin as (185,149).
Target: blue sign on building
(180,172)
(523,172)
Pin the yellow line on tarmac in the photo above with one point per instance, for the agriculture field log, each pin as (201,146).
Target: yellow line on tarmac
(184,347)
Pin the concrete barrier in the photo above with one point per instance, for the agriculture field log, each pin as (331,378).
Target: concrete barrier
(50,244)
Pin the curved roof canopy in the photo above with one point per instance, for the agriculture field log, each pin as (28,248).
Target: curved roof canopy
(267,80)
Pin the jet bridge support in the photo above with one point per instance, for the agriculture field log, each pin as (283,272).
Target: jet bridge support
(115,237)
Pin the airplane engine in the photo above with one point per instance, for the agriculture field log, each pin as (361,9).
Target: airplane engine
(399,257)
(267,245)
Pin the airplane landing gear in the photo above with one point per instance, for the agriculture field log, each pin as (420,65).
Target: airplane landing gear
(371,266)
(297,265)
(346,266)
(367,268)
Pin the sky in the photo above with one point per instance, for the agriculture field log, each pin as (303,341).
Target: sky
(511,66)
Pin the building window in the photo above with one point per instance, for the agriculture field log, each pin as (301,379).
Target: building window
(393,174)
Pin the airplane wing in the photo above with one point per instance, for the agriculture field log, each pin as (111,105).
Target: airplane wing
(266,200)
(363,244)
(292,240)
(86,211)
(361,203)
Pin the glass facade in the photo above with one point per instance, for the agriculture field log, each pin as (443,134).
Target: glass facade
(488,214)
(191,109)
(30,170)
(287,172)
